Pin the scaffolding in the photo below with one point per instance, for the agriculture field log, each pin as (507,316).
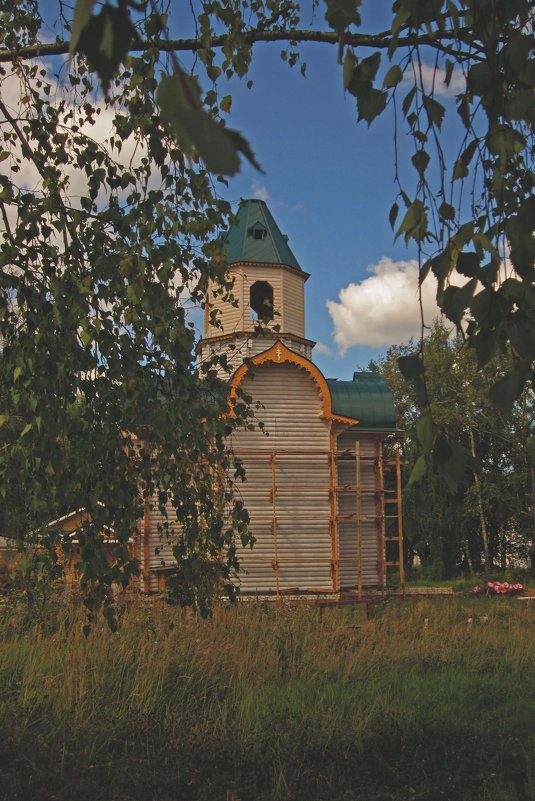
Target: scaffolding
(349,511)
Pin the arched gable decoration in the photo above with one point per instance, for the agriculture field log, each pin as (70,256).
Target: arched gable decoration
(278,354)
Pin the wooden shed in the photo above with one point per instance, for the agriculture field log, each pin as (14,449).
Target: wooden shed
(324,518)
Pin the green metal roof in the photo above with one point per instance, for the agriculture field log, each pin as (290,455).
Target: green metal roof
(367,398)
(255,237)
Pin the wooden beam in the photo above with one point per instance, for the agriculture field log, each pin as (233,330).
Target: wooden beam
(400,522)
(146,551)
(381,532)
(274,519)
(358,518)
(333,523)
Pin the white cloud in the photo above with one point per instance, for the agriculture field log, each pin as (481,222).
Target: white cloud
(259,191)
(383,309)
(28,178)
(433,80)
(325,350)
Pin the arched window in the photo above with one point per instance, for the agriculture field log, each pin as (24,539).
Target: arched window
(261,301)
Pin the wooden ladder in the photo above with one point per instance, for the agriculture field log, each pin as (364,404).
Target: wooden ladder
(390,508)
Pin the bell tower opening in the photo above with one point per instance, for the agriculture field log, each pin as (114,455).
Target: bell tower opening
(261,301)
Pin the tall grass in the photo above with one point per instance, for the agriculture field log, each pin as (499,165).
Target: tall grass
(266,700)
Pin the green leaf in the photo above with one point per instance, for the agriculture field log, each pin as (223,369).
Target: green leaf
(414,224)
(399,20)
(242,146)
(358,80)
(454,468)
(460,170)
(508,389)
(481,305)
(420,161)
(411,366)
(519,229)
(27,428)
(424,271)
(370,104)
(479,79)
(81,16)
(392,217)
(468,264)
(392,77)
(435,110)
(468,153)
(420,391)
(3,419)
(485,346)
(446,212)
(418,471)
(425,431)
(340,14)
(448,71)
(522,338)
(179,98)
(456,300)
(505,142)
(86,337)
(105,41)
(350,63)
(407,101)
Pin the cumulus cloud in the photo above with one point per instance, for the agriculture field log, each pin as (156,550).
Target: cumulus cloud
(434,81)
(259,191)
(383,309)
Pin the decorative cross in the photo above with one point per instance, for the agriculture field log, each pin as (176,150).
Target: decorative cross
(279,354)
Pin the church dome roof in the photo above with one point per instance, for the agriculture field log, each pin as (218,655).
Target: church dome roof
(256,237)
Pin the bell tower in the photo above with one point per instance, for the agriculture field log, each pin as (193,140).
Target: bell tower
(268,291)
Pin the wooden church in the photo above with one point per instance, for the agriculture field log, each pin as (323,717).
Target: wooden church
(325,505)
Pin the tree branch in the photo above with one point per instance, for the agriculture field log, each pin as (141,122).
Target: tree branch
(379,40)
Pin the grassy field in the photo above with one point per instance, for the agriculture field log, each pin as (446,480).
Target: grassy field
(419,703)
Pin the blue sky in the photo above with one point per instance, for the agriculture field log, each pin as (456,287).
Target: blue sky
(329,183)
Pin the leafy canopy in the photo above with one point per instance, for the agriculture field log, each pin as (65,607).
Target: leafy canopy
(109,235)
(486,519)
(95,268)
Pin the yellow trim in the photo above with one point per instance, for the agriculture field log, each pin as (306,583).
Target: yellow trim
(280,354)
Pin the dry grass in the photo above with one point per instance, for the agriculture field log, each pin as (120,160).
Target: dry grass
(418,703)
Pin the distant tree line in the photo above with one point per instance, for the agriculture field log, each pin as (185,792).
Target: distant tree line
(488,522)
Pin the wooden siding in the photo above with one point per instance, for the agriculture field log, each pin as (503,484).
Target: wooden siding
(288,300)
(347,505)
(288,483)
(230,315)
(293,303)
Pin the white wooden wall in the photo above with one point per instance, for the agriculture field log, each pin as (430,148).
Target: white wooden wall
(347,529)
(288,300)
(287,493)
(300,506)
